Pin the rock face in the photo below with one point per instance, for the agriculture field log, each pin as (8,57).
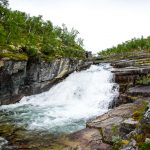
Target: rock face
(115,118)
(20,78)
(126,75)
(87,139)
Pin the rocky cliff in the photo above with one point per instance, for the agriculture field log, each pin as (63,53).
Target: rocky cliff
(27,77)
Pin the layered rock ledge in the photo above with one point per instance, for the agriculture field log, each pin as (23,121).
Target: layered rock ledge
(127,125)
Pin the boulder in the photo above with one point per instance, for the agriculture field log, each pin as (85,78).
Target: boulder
(110,120)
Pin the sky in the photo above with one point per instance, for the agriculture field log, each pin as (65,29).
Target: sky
(101,23)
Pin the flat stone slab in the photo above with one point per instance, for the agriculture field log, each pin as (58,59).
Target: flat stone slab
(86,139)
(112,119)
(114,116)
(131,70)
(139,91)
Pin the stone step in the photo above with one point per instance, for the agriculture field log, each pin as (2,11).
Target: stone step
(111,119)
(131,71)
(143,91)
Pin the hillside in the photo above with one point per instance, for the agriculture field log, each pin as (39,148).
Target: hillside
(133,45)
(23,36)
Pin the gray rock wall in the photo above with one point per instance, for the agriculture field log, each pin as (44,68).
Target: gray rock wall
(21,78)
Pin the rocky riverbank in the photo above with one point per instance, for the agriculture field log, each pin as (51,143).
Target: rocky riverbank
(126,126)
(20,78)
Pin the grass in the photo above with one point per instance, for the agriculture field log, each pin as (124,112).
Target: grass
(145,80)
(14,56)
(139,111)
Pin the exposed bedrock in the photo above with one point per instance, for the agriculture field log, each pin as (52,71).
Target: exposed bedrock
(20,78)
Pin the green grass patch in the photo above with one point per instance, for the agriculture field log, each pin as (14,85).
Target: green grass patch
(145,80)
(14,56)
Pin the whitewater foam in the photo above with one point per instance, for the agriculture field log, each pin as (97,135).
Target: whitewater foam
(67,105)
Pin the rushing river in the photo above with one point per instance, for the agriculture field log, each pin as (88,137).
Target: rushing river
(67,106)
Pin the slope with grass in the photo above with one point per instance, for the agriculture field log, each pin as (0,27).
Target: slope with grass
(23,36)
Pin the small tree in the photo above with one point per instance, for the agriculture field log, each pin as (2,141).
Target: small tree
(4,3)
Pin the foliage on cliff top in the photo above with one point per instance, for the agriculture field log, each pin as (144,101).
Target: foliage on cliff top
(135,44)
(34,36)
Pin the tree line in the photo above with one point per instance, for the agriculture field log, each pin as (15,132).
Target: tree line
(135,44)
(31,35)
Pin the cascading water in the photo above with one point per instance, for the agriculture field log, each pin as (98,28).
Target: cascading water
(66,106)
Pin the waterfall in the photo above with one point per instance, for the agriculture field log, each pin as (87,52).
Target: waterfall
(68,105)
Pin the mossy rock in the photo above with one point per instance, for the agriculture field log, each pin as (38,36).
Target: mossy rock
(136,115)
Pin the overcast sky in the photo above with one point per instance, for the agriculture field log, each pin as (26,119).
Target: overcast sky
(101,23)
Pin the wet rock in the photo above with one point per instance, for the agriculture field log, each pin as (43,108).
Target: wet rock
(121,99)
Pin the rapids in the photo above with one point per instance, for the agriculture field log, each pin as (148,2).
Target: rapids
(67,106)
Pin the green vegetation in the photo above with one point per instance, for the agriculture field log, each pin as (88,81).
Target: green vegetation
(33,36)
(145,146)
(138,112)
(116,138)
(145,80)
(135,44)
(15,56)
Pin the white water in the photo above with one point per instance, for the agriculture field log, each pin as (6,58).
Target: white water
(66,106)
